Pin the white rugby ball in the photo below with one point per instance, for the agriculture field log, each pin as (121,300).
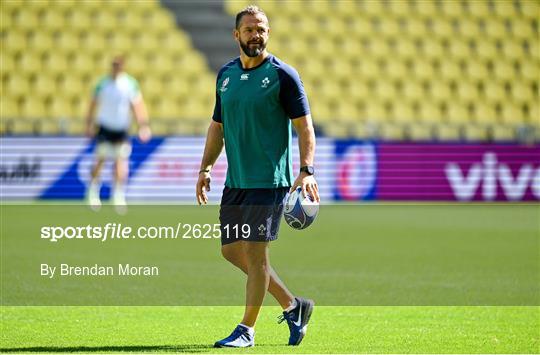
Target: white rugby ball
(300,211)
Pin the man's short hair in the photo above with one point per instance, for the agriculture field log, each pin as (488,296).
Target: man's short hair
(250,10)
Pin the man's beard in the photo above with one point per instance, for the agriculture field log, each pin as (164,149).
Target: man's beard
(252,51)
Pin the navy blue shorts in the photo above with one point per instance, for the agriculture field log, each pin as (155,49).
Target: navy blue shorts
(251,214)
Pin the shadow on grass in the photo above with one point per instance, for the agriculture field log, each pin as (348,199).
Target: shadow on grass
(186,348)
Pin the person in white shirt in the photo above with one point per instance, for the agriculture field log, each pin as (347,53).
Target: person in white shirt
(116,97)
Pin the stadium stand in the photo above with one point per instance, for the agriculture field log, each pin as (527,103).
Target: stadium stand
(53,53)
(406,69)
(392,69)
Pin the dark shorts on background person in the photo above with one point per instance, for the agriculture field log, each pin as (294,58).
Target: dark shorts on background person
(260,209)
(111,136)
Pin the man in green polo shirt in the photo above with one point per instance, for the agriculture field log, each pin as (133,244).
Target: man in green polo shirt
(257,98)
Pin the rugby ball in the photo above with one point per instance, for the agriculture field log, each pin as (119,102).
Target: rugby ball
(300,211)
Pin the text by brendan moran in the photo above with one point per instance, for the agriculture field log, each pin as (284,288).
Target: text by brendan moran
(61,270)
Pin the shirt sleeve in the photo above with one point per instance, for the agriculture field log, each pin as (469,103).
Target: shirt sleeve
(98,88)
(135,90)
(217,109)
(292,93)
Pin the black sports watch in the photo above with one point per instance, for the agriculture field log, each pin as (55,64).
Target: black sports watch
(308,169)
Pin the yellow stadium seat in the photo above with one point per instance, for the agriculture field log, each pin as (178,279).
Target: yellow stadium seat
(423,69)
(380,49)
(453,9)
(406,48)
(119,43)
(533,113)
(457,113)
(467,27)
(369,68)
(443,29)
(529,9)
(495,28)
(504,9)
(534,49)
(524,30)
(416,27)
(44,85)
(459,50)
(512,113)
(477,70)
(52,20)
(6,21)
(513,50)
(159,21)
(467,91)
(29,63)
(67,41)
(361,28)
(478,9)
(401,8)
(40,41)
(440,91)
(146,41)
(430,112)
(433,48)
(522,92)
(59,107)
(375,110)
(72,86)
(33,107)
(392,131)
(484,113)
(389,27)
(486,49)
(476,132)
(7,63)
(17,85)
(64,5)
(55,62)
(373,8)
(385,90)
(448,132)
(413,90)
(503,133)
(25,19)
(357,90)
(495,91)
(403,112)
(82,63)
(504,70)
(14,41)
(427,8)
(396,69)
(104,20)
(8,108)
(421,131)
(79,20)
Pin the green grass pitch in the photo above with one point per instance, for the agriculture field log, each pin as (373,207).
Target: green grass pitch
(386,279)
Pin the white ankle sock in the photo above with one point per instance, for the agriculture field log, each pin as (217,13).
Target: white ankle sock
(292,306)
(250,330)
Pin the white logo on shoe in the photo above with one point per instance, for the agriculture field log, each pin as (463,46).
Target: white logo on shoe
(299,321)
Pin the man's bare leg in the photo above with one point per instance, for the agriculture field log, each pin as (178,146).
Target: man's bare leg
(92,194)
(234,253)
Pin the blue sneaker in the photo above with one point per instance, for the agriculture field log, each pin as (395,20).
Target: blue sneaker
(239,338)
(297,320)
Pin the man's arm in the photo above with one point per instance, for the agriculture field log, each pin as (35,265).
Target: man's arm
(138,107)
(212,150)
(90,118)
(306,144)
